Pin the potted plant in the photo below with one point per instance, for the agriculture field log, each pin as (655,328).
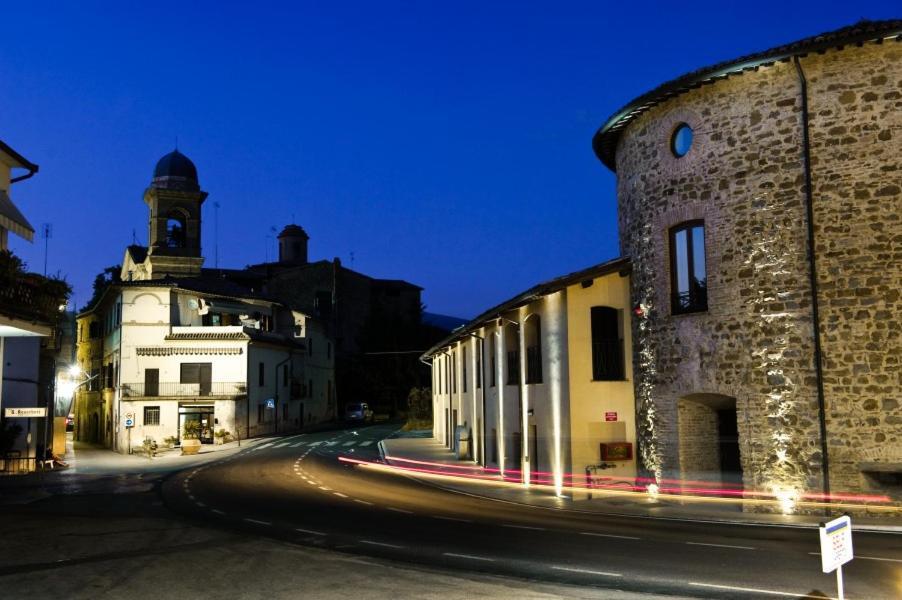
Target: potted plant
(191,437)
(221,436)
(170,441)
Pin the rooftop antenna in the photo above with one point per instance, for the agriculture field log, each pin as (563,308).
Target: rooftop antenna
(216,234)
(46,233)
(134,237)
(352,258)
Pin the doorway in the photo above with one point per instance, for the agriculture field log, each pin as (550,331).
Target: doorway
(709,439)
(203,415)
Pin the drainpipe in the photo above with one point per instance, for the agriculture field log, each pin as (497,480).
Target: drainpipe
(812,276)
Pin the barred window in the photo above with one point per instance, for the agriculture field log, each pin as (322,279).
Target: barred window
(151,415)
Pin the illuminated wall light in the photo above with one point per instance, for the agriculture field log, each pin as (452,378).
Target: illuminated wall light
(524,401)
(787,498)
(499,385)
(555,337)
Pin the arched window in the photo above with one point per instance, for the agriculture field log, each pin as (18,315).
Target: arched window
(533,339)
(175,231)
(512,347)
(607,344)
(688,276)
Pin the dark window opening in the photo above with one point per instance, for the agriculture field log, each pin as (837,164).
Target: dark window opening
(607,344)
(200,373)
(151,415)
(534,349)
(261,372)
(688,277)
(464,370)
(175,232)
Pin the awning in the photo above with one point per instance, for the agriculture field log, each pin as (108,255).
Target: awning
(12,218)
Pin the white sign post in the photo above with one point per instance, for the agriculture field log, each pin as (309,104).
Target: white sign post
(836,547)
(26,413)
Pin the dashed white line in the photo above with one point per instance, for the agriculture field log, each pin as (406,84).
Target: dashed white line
(896,560)
(310,531)
(451,519)
(720,546)
(366,443)
(315,443)
(201,504)
(523,527)
(468,556)
(399,510)
(372,543)
(281,445)
(298,444)
(745,589)
(218,512)
(257,522)
(339,494)
(261,447)
(363,502)
(351,443)
(325,489)
(609,535)
(587,571)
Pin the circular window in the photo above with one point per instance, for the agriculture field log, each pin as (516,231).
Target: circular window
(681,140)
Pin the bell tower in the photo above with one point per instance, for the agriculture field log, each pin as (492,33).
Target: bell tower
(174,199)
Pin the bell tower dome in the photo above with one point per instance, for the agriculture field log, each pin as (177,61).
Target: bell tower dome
(293,245)
(174,199)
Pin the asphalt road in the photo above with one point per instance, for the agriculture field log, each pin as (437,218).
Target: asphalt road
(296,489)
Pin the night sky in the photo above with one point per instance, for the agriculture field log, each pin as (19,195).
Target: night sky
(448,144)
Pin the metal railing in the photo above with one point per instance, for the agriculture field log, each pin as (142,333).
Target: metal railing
(175,388)
(607,360)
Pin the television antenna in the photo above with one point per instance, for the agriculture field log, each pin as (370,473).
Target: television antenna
(46,233)
(216,234)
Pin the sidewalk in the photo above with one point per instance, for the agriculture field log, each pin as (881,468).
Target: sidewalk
(413,446)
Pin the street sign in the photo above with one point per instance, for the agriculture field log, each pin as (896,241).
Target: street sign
(270,403)
(836,548)
(610,416)
(836,543)
(129,422)
(26,413)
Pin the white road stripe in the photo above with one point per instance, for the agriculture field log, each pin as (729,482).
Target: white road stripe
(280,445)
(586,571)
(371,543)
(351,443)
(720,546)
(325,489)
(896,560)
(451,519)
(366,443)
(218,512)
(257,522)
(469,556)
(339,494)
(310,531)
(312,444)
(332,443)
(261,447)
(745,589)
(610,535)
(363,502)
(298,444)
(201,504)
(399,510)
(524,527)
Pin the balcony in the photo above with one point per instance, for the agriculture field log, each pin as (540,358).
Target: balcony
(176,389)
(30,298)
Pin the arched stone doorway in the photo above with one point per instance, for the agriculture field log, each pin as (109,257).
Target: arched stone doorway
(709,438)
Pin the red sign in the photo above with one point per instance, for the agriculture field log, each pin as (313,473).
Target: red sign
(610,416)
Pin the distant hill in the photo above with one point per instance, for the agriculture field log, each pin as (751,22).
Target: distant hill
(443,321)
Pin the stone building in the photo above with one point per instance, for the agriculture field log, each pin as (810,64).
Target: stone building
(541,385)
(759,204)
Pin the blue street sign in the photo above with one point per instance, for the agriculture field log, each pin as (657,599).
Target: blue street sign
(271,403)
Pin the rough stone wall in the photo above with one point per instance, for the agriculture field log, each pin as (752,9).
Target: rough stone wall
(744,176)
(699,451)
(855,99)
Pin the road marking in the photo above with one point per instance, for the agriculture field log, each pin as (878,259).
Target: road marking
(451,519)
(190,497)
(339,494)
(313,444)
(371,543)
(218,512)
(280,445)
(400,510)
(311,482)
(896,560)
(469,556)
(257,522)
(524,527)
(310,531)
(610,535)
(587,571)
(720,546)
(363,502)
(201,504)
(351,443)
(264,446)
(331,443)
(745,589)
(298,444)
(325,489)
(366,443)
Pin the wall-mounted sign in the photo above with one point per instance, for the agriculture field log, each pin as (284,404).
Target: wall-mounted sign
(610,415)
(26,413)
(617,451)
(271,403)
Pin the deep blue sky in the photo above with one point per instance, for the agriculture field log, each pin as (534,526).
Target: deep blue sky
(448,144)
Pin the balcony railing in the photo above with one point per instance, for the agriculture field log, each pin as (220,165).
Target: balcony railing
(29,296)
(175,388)
(607,360)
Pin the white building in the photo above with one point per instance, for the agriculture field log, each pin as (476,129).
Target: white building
(554,362)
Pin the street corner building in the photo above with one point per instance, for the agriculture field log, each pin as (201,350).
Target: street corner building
(32,322)
(168,342)
(759,205)
(539,387)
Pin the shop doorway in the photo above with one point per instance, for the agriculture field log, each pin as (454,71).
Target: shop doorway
(203,415)
(709,438)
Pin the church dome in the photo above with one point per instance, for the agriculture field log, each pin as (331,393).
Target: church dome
(293,231)
(175,171)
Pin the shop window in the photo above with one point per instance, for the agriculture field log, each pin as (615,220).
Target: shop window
(688,278)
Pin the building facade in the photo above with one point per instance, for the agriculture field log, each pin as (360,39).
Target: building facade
(759,204)
(541,386)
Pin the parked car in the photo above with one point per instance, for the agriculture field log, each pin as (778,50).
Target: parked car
(358,412)
(70,423)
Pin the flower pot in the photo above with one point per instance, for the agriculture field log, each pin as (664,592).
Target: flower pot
(190,446)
